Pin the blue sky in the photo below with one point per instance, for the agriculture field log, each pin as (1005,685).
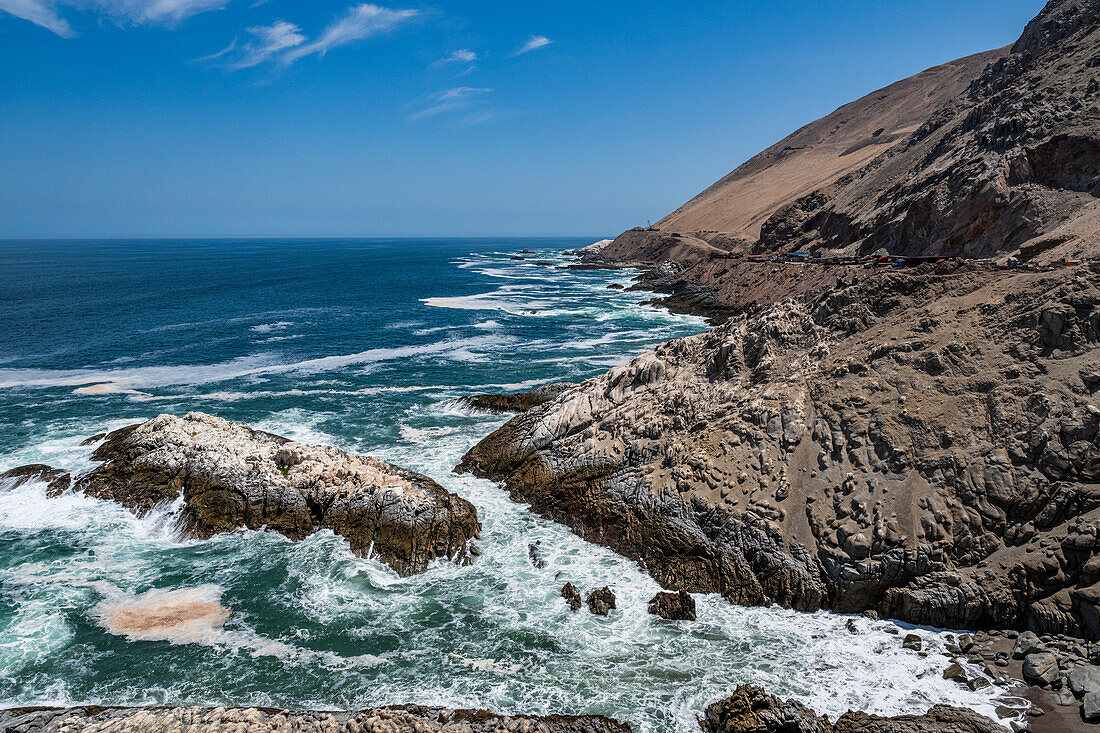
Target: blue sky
(324,118)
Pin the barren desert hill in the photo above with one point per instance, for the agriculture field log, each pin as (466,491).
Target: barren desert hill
(824,150)
(993,155)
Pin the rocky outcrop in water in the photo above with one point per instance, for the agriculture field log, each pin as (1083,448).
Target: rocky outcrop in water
(572,596)
(230,476)
(406,719)
(601,602)
(922,443)
(751,710)
(673,606)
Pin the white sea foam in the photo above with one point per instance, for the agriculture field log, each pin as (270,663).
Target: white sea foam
(269,327)
(249,366)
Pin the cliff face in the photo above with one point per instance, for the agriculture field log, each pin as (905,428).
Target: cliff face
(991,155)
(922,444)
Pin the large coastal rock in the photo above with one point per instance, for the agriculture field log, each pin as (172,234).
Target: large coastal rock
(405,719)
(924,444)
(751,710)
(230,476)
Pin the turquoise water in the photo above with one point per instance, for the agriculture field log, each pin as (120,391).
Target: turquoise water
(364,345)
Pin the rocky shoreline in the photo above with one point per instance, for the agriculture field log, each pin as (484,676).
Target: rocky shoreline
(835,451)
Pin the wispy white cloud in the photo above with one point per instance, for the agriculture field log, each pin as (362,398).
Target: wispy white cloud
(533,43)
(47,13)
(156,11)
(461,56)
(264,43)
(39,12)
(452,100)
(361,21)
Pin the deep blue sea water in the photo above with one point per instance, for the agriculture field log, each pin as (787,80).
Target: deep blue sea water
(364,345)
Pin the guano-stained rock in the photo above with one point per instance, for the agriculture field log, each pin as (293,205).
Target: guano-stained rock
(230,476)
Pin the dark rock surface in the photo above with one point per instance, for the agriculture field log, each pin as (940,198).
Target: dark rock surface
(534,552)
(405,719)
(231,476)
(57,480)
(519,402)
(751,710)
(601,602)
(572,596)
(679,606)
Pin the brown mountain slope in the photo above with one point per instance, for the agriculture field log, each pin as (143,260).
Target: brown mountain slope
(824,150)
(994,155)
(1012,164)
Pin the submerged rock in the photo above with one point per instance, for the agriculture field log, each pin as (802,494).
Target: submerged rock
(230,476)
(56,480)
(600,602)
(673,606)
(751,710)
(403,719)
(534,551)
(518,402)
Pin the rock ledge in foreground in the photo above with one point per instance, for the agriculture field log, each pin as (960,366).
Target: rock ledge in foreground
(405,719)
(751,710)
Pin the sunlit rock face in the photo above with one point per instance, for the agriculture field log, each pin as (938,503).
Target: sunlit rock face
(230,476)
(924,444)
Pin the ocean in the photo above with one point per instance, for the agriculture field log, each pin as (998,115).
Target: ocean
(366,345)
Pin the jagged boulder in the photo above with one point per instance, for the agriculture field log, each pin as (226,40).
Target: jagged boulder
(601,602)
(751,710)
(55,479)
(572,596)
(679,606)
(230,476)
(1084,680)
(1040,668)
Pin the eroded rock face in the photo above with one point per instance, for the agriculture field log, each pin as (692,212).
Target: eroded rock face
(231,476)
(751,710)
(601,602)
(922,444)
(406,719)
(673,606)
